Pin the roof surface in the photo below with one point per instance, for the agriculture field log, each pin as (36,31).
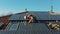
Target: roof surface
(33,28)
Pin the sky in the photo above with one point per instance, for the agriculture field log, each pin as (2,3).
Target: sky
(15,6)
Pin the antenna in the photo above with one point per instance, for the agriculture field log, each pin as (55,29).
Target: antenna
(51,5)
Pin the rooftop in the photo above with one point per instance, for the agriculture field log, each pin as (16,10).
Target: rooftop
(16,24)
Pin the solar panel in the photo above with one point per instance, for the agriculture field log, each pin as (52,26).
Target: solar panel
(54,17)
(39,26)
(17,17)
(14,27)
(39,16)
(1,24)
(33,26)
(58,17)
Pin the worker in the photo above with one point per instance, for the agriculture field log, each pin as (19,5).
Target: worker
(31,18)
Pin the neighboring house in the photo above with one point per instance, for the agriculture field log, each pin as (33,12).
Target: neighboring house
(4,19)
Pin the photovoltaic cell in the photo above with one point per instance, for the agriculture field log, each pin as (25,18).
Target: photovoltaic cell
(14,27)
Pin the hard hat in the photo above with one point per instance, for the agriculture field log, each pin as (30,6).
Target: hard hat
(25,17)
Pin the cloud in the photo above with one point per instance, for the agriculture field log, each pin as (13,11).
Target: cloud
(4,12)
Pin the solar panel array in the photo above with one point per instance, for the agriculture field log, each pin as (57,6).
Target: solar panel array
(17,17)
(14,27)
(26,26)
(39,16)
(33,28)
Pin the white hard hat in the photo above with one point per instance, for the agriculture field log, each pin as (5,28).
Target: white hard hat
(24,17)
